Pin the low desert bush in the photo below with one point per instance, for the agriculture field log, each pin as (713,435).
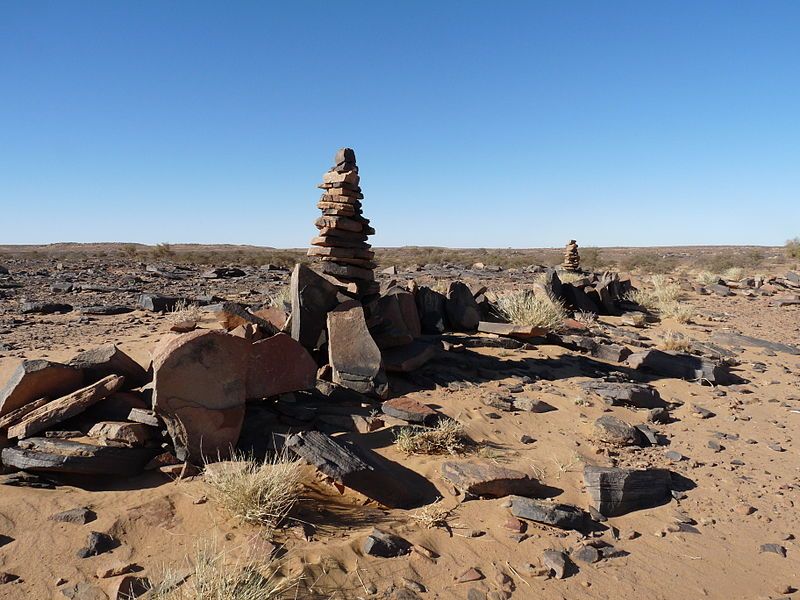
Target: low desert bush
(446,437)
(663,298)
(792,248)
(282,298)
(648,262)
(185,311)
(569,276)
(256,492)
(213,575)
(707,278)
(525,308)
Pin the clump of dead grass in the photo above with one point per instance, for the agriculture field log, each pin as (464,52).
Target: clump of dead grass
(707,278)
(185,312)
(586,317)
(281,299)
(446,437)
(570,276)
(525,308)
(213,575)
(664,298)
(256,492)
(677,342)
(432,515)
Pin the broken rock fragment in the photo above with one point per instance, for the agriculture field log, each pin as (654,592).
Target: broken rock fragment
(615,491)
(564,516)
(488,480)
(385,545)
(34,379)
(277,365)
(109,360)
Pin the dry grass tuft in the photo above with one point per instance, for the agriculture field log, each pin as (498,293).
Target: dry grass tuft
(446,437)
(433,515)
(675,341)
(707,278)
(184,311)
(585,317)
(663,298)
(282,299)
(733,274)
(570,276)
(260,493)
(525,308)
(214,577)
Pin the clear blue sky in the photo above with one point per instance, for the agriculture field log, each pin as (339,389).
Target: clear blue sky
(475,124)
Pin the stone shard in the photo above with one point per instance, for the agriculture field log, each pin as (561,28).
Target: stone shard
(615,491)
(199,390)
(355,358)
(511,330)
(79,516)
(352,467)
(488,480)
(462,310)
(404,359)
(680,366)
(277,365)
(67,456)
(129,434)
(34,379)
(232,315)
(409,410)
(385,545)
(556,562)
(68,406)
(639,395)
(564,516)
(616,432)
(313,297)
(158,303)
(109,360)
(432,313)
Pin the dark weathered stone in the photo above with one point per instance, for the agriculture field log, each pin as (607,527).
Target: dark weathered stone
(511,330)
(488,480)
(385,545)
(564,516)
(159,303)
(68,406)
(410,357)
(313,297)
(680,366)
(98,543)
(44,308)
(431,308)
(462,310)
(106,309)
(79,516)
(577,299)
(611,352)
(556,561)
(616,432)
(355,358)
(109,360)
(67,456)
(615,492)
(34,379)
(409,410)
(737,339)
(634,394)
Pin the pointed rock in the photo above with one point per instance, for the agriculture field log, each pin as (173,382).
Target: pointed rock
(109,360)
(312,298)
(34,379)
(355,358)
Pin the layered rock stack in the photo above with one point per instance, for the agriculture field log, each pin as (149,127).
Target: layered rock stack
(572,260)
(342,244)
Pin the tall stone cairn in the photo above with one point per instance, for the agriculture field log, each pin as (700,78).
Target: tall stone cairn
(341,245)
(572,260)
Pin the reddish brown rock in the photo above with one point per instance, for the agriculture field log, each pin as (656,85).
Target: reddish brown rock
(199,390)
(485,479)
(109,360)
(278,365)
(34,379)
(66,407)
(408,410)
(354,356)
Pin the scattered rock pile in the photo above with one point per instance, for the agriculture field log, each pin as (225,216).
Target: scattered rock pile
(572,260)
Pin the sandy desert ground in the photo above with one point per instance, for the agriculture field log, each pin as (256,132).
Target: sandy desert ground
(730,532)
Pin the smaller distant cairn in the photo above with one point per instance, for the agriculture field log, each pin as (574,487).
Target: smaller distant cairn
(572,260)
(341,244)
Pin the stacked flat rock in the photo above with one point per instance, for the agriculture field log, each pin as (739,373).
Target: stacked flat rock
(341,245)
(572,260)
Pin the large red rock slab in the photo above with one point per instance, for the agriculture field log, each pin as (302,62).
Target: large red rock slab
(354,355)
(34,379)
(278,365)
(109,360)
(199,390)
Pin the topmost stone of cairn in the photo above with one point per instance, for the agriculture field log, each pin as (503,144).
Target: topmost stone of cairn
(572,260)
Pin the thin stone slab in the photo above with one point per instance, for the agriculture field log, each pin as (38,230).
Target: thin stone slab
(488,480)
(109,360)
(67,456)
(278,365)
(737,339)
(564,516)
(63,408)
(639,395)
(431,309)
(408,358)
(199,390)
(680,366)
(354,356)
(614,431)
(615,491)
(313,297)
(462,310)
(34,379)
(409,410)
(511,330)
